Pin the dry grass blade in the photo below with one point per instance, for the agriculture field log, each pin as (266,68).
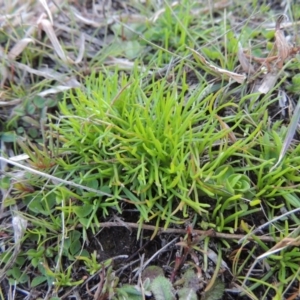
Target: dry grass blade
(14,13)
(43,72)
(81,49)
(212,7)
(231,135)
(258,229)
(19,225)
(46,7)
(20,157)
(75,32)
(290,134)
(56,179)
(155,17)
(281,43)
(48,28)
(55,90)
(240,78)
(246,65)
(284,243)
(18,48)
(10,103)
(3,69)
(92,23)
(213,256)
(124,64)
(268,82)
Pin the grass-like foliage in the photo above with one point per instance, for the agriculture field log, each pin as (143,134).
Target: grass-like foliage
(182,114)
(165,149)
(144,144)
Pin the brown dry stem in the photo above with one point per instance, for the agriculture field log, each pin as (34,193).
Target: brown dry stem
(209,233)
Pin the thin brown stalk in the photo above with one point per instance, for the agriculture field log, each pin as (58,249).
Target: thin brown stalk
(209,233)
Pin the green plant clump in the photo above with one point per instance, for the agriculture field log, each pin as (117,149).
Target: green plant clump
(163,148)
(144,144)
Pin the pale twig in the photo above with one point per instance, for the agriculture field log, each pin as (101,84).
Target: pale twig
(248,236)
(56,179)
